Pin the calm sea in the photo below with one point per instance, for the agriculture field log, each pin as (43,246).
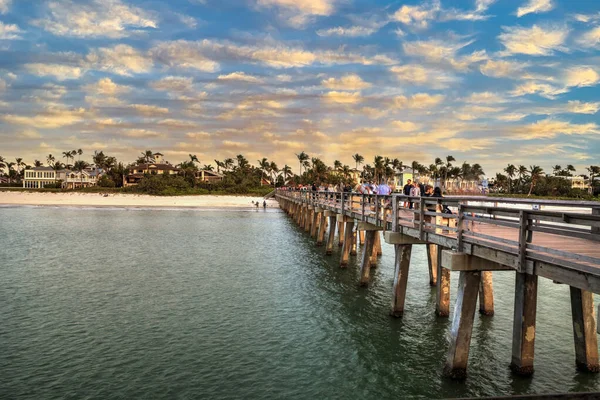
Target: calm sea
(228,304)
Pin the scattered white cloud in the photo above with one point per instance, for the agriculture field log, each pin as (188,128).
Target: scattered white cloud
(543,89)
(550,128)
(9,31)
(149,110)
(106,87)
(535,41)
(511,117)
(342,97)
(419,75)
(188,21)
(173,83)
(485,98)
(590,38)
(59,71)
(419,101)
(240,77)
(502,69)
(535,6)
(47,119)
(4,5)
(352,31)
(346,82)
(299,12)
(578,107)
(99,18)
(405,126)
(444,52)
(121,59)
(418,16)
(581,76)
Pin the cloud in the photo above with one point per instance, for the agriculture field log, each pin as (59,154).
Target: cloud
(590,38)
(353,31)
(342,97)
(419,101)
(121,59)
(405,126)
(29,134)
(502,69)
(511,117)
(440,52)
(581,77)
(59,71)
(50,118)
(149,110)
(173,84)
(419,75)
(198,135)
(535,6)
(141,133)
(533,41)
(543,89)
(485,98)
(550,128)
(240,77)
(9,31)
(417,16)
(2,85)
(104,92)
(347,82)
(185,54)
(4,5)
(100,18)
(576,106)
(299,12)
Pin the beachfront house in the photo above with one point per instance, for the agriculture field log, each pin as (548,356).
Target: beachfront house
(208,176)
(578,182)
(39,177)
(137,172)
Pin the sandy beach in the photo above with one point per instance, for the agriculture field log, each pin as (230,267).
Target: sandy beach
(127,200)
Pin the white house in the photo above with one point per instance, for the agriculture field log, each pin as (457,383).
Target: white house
(38,177)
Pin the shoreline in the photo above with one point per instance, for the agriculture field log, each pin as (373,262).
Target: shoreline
(131,201)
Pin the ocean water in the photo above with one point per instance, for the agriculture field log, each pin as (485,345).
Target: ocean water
(233,304)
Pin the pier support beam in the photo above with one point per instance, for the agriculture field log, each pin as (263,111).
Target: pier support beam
(486,294)
(354,243)
(462,325)
(365,266)
(347,248)
(432,261)
(316,219)
(584,330)
(331,237)
(376,242)
(442,293)
(322,228)
(361,235)
(341,235)
(523,341)
(402,263)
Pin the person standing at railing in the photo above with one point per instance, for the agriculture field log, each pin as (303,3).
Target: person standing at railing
(406,191)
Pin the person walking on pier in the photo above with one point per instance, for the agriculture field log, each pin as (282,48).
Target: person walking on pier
(406,191)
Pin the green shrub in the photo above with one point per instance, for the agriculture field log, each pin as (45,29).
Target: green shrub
(106,182)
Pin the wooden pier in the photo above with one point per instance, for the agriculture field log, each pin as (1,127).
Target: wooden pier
(557,240)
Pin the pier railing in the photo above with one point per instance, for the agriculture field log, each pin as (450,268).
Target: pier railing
(531,232)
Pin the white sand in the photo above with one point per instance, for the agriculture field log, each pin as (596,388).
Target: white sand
(127,200)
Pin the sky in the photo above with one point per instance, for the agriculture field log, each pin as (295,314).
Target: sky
(488,81)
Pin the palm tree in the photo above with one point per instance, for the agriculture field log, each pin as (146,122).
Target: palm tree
(37,163)
(50,159)
(594,170)
(2,163)
(378,167)
(9,166)
(228,163)
(264,166)
(219,166)
(510,170)
(242,162)
(557,169)
(535,172)
(337,165)
(448,166)
(194,158)
(358,159)
(67,155)
(287,171)
(522,171)
(79,153)
(274,171)
(19,164)
(415,167)
(208,167)
(569,170)
(148,157)
(302,158)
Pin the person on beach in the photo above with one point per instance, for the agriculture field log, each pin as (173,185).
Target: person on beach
(264,204)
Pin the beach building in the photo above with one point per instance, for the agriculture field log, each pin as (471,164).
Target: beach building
(400,178)
(158,167)
(208,176)
(578,182)
(39,177)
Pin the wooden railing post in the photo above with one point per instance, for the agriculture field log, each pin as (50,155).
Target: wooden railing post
(377,209)
(460,226)
(421,217)
(363,207)
(525,236)
(342,198)
(395,204)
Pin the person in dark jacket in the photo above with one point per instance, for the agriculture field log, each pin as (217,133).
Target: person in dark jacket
(406,191)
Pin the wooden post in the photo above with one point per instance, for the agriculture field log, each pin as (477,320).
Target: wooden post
(354,243)
(523,340)
(341,232)
(376,238)
(378,245)
(402,264)
(322,228)
(462,325)
(442,292)
(347,248)
(314,227)
(432,259)
(365,266)
(361,235)
(486,294)
(584,330)
(331,237)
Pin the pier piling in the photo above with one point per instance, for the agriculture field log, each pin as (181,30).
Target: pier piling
(432,261)
(365,266)
(346,249)
(331,237)
(486,294)
(523,341)
(584,330)
(402,264)
(462,325)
